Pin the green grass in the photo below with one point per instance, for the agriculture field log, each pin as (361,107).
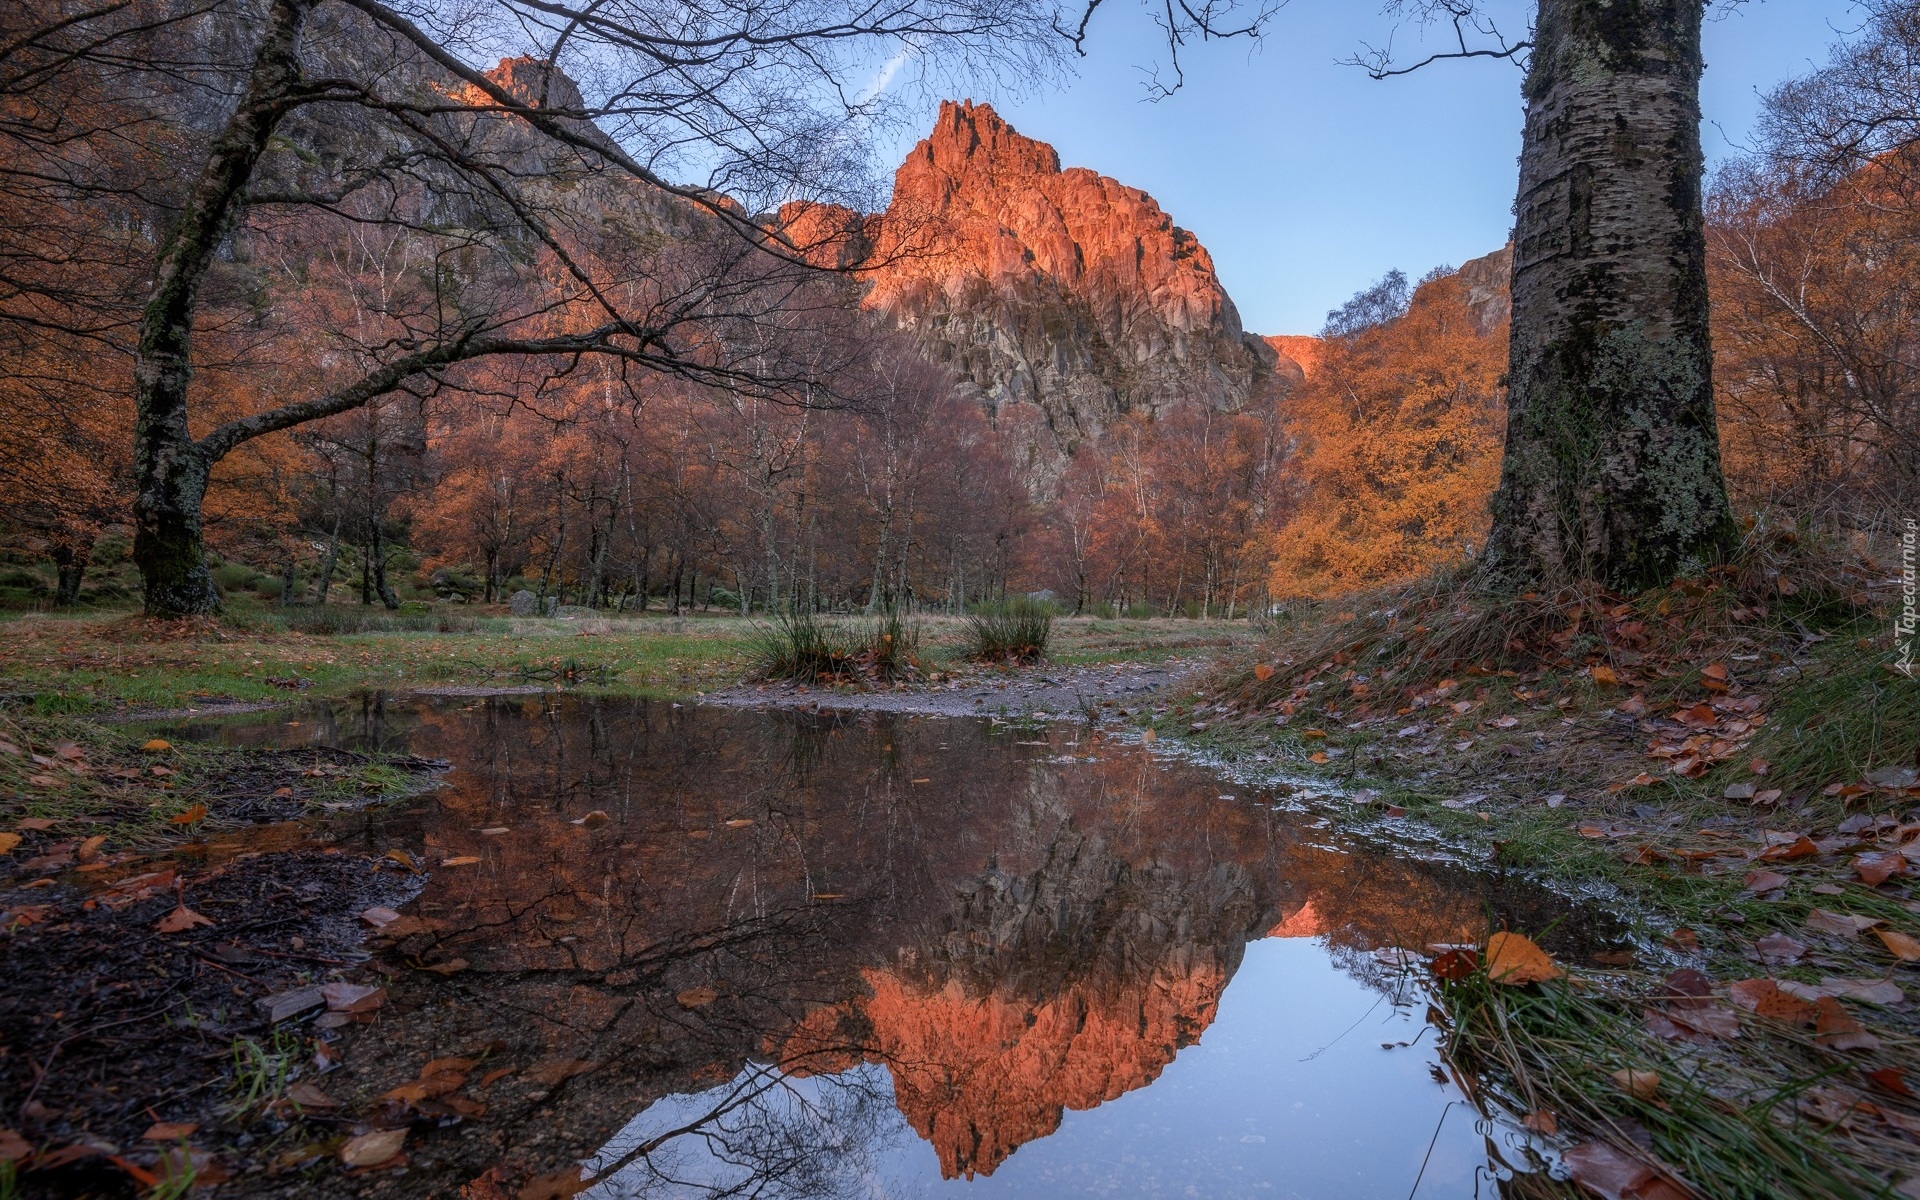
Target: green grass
(1018,631)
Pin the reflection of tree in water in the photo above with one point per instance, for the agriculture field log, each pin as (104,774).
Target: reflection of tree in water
(1007,942)
(767,1135)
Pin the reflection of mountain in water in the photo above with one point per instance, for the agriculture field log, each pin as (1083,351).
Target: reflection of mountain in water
(1012,941)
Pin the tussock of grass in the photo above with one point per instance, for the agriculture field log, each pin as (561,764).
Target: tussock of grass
(801,647)
(1750,1116)
(1018,630)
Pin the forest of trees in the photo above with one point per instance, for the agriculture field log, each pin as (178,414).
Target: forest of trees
(556,397)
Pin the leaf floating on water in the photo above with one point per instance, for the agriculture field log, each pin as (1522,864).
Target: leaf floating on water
(463,860)
(739,823)
(372,1149)
(594,819)
(180,920)
(452,966)
(379,917)
(1542,1122)
(403,858)
(1514,960)
(696,997)
(1902,947)
(1641,1085)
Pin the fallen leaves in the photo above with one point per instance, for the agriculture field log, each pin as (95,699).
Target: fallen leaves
(1515,961)
(180,920)
(1901,946)
(1844,925)
(372,1149)
(1765,998)
(345,997)
(192,816)
(696,997)
(1780,949)
(169,1131)
(157,746)
(554,1071)
(1836,1028)
(8,841)
(379,917)
(1613,1174)
(1877,866)
(1641,1085)
(463,860)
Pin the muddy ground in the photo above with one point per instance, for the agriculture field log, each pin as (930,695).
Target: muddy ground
(1038,693)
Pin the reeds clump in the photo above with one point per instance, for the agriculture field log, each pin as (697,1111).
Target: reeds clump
(801,647)
(1016,630)
(892,648)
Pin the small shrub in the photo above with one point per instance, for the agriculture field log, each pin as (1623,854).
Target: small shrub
(798,646)
(1017,630)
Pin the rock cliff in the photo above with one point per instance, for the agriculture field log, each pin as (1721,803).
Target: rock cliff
(1061,289)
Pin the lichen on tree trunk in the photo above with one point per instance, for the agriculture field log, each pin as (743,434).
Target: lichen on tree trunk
(1612,471)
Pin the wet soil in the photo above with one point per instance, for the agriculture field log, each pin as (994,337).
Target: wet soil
(1038,692)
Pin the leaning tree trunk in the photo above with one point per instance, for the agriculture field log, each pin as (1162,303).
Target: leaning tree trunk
(170,468)
(1612,470)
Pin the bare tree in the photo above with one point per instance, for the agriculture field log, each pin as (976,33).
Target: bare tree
(551,231)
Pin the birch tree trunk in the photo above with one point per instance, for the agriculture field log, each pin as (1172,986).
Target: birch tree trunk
(1612,470)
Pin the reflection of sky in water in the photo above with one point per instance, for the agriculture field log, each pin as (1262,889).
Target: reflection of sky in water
(1288,1094)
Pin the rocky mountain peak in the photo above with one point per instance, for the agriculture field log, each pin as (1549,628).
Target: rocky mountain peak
(1058,288)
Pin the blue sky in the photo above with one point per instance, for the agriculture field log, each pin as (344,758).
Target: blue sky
(1307,180)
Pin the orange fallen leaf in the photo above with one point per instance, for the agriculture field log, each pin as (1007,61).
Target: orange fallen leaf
(1541,1122)
(180,920)
(196,813)
(372,1149)
(1313,733)
(1606,676)
(1902,947)
(1764,998)
(157,745)
(464,860)
(8,841)
(168,1131)
(1836,1028)
(1641,1085)
(696,997)
(1263,672)
(1514,960)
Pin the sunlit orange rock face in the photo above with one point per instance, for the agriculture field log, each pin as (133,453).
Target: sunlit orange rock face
(978,1077)
(1062,289)
(1299,356)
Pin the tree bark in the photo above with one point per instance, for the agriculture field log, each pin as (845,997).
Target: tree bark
(1612,472)
(70,559)
(170,469)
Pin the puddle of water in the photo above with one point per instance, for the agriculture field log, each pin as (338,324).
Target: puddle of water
(782,954)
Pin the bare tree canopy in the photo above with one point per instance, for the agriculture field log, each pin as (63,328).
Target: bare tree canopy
(178,173)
